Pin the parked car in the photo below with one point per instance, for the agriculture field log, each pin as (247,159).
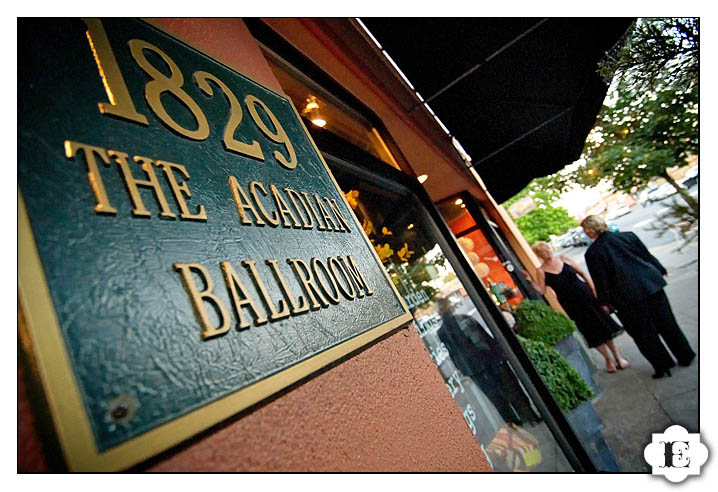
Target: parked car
(666,190)
(566,241)
(620,211)
(660,193)
(652,195)
(689,181)
(581,239)
(576,237)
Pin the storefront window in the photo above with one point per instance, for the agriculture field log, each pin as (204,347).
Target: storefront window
(496,266)
(498,274)
(325,112)
(475,368)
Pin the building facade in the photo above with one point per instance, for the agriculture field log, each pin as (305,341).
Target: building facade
(449,388)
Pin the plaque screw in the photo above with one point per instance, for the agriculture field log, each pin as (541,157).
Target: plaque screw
(121,409)
(119,412)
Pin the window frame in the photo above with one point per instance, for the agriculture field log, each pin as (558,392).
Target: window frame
(493,236)
(337,151)
(273,45)
(375,170)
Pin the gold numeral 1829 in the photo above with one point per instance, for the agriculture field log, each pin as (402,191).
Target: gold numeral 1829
(122,106)
(160,84)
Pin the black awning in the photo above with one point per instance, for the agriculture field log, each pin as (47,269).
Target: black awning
(519,94)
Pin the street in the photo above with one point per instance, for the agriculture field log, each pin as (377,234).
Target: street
(642,220)
(631,404)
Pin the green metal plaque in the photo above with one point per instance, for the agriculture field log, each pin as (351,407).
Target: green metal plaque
(183,249)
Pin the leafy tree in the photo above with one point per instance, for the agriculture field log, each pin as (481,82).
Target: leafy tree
(543,190)
(649,124)
(541,223)
(659,51)
(640,137)
(545,220)
(652,123)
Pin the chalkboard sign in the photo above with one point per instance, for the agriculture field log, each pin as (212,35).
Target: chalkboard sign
(184,251)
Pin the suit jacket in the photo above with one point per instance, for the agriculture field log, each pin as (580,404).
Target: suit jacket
(471,358)
(622,269)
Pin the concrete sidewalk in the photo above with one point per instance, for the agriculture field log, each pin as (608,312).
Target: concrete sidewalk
(631,404)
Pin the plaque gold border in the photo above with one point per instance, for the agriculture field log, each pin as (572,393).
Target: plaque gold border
(62,393)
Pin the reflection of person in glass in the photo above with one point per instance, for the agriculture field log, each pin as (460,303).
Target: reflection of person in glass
(477,355)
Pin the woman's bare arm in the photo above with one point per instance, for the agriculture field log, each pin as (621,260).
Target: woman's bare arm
(586,277)
(540,284)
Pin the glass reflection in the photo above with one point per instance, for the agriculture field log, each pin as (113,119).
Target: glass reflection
(324,111)
(474,367)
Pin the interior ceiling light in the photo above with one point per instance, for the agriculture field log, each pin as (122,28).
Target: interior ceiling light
(311,110)
(423,178)
(458,201)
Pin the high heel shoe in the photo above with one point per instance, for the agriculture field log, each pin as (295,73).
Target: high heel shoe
(660,374)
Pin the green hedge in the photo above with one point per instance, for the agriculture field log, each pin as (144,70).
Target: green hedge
(563,381)
(537,321)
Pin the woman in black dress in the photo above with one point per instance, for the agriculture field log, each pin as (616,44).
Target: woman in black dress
(578,299)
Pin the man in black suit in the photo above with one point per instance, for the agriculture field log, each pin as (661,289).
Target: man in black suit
(629,278)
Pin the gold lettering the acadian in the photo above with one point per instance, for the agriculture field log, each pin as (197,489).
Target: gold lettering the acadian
(288,207)
(322,284)
(180,190)
(284,209)
(328,220)
(334,207)
(133,184)
(98,186)
(272,219)
(306,217)
(243,203)
(308,201)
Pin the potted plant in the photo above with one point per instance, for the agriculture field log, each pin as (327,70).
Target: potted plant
(536,320)
(563,381)
(544,334)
